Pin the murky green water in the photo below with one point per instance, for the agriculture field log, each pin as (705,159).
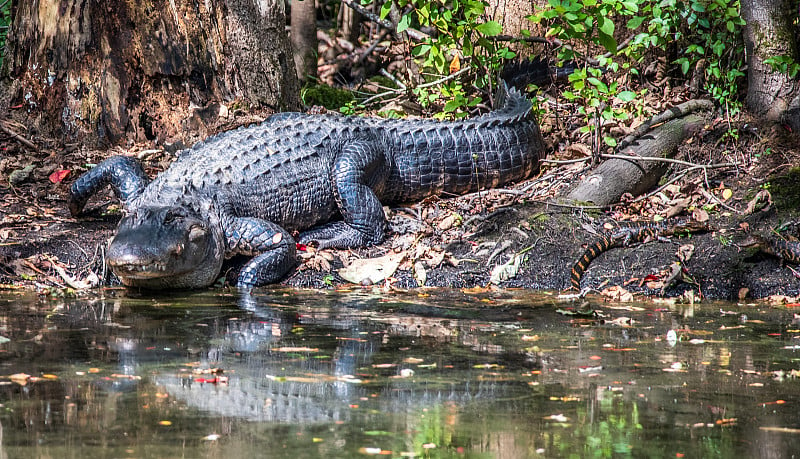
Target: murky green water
(322,374)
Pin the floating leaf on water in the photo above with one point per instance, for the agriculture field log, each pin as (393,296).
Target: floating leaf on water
(4,340)
(20,378)
(672,338)
(295,349)
(780,429)
(212,437)
(165,423)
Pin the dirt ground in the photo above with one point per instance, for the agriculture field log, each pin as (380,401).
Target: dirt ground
(458,242)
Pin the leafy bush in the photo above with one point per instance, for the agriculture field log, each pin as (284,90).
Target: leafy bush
(459,41)
(706,35)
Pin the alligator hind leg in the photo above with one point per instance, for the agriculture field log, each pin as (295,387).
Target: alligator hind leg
(125,175)
(275,246)
(358,170)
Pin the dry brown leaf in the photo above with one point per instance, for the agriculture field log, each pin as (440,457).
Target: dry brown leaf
(700,215)
(372,270)
(617,293)
(685,252)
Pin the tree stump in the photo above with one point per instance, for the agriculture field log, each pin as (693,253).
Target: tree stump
(101,72)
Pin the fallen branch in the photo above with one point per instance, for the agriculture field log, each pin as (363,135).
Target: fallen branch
(640,172)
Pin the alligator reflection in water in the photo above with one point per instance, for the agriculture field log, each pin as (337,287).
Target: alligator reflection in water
(305,384)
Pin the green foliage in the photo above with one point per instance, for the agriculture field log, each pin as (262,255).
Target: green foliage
(702,34)
(784,64)
(326,96)
(460,43)
(350,108)
(5,23)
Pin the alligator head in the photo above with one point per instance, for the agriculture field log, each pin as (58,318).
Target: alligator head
(166,247)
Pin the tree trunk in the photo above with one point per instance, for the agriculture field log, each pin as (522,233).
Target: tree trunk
(100,72)
(512,15)
(304,38)
(770,33)
(350,24)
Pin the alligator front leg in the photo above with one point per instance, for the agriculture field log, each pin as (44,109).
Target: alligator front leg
(125,175)
(359,169)
(277,252)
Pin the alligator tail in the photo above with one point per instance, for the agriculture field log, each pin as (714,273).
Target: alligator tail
(124,174)
(538,71)
(509,102)
(593,251)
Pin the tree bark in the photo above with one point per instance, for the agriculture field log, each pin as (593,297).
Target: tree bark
(512,15)
(304,38)
(770,33)
(100,72)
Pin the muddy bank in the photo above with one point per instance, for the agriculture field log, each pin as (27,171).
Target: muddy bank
(460,256)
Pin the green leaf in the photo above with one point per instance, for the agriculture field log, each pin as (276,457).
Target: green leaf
(610,141)
(385,9)
(607,41)
(405,22)
(606,25)
(635,22)
(451,106)
(626,96)
(490,29)
(421,50)
(698,7)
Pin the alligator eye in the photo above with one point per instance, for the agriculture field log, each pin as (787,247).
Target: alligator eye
(196,232)
(173,215)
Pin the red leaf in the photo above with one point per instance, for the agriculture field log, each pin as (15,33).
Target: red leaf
(301,247)
(650,278)
(59,175)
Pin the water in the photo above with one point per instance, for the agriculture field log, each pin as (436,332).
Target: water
(286,373)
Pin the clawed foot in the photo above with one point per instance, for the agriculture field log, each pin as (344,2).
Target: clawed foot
(338,235)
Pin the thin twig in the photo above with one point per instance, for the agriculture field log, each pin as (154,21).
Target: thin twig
(372,47)
(425,85)
(670,160)
(565,161)
(18,137)
(393,78)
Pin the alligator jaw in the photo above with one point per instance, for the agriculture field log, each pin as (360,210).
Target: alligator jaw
(128,267)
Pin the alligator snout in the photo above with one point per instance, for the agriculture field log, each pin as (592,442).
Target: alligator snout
(135,261)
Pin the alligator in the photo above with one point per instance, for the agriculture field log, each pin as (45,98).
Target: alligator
(626,234)
(788,251)
(244,192)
